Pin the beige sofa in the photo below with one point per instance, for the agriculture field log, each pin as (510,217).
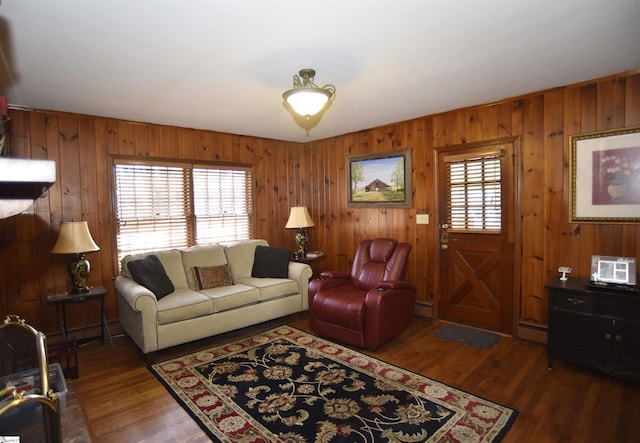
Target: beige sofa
(189,313)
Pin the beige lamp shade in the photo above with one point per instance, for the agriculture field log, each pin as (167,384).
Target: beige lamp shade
(299,218)
(74,238)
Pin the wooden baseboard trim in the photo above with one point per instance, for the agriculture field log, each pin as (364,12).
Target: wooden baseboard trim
(423,310)
(527,331)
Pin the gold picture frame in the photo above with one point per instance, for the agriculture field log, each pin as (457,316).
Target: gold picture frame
(605,176)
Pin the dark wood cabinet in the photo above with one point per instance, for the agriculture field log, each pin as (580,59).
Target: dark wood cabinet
(595,327)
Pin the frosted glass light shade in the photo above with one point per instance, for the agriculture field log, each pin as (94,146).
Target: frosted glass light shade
(306,98)
(307,101)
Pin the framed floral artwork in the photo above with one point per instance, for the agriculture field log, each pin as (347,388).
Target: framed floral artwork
(605,176)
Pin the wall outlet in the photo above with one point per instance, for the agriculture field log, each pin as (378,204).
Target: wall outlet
(422,219)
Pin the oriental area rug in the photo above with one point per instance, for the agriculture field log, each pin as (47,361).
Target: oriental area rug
(286,385)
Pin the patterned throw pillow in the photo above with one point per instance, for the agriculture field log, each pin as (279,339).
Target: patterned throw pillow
(209,277)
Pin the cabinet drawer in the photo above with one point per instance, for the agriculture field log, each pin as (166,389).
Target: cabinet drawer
(600,304)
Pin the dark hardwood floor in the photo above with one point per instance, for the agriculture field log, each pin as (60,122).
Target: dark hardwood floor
(123,402)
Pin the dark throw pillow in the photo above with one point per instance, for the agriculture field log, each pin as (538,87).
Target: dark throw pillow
(271,262)
(209,277)
(150,273)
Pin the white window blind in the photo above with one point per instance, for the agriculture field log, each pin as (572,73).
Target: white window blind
(222,204)
(176,205)
(474,184)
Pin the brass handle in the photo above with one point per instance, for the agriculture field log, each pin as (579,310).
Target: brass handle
(607,336)
(575,301)
(444,239)
(618,337)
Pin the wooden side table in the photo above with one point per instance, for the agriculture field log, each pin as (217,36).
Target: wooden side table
(309,261)
(60,299)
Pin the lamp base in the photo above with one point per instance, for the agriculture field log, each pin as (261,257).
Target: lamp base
(79,274)
(301,243)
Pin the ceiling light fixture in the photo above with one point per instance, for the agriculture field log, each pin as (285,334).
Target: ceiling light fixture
(306,98)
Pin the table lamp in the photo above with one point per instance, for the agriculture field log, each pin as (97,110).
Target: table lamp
(299,218)
(75,239)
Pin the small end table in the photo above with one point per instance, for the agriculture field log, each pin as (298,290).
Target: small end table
(60,299)
(308,260)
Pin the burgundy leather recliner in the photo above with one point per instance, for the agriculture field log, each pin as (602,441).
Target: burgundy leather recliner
(371,305)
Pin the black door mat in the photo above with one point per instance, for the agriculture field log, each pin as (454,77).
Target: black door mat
(468,336)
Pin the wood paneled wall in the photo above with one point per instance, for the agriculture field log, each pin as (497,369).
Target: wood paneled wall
(543,122)
(82,147)
(313,174)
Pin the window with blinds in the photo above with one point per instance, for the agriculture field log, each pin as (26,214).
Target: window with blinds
(474,189)
(176,205)
(222,204)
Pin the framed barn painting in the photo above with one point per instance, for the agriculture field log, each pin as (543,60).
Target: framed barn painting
(605,176)
(382,179)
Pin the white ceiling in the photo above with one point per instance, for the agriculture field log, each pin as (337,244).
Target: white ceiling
(223,65)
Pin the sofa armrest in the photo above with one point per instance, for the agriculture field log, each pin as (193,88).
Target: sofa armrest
(301,273)
(135,295)
(138,313)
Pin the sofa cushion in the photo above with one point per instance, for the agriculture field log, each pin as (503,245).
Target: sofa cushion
(171,259)
(225,298)
(208,277)
(271,288)
(150,273)
(240,257)
(271,262)
(183,304)
(204,255)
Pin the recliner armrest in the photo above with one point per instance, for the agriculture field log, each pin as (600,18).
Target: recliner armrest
(396,284)
(328,280)
(328,275)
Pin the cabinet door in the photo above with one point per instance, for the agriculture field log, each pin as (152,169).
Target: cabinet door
(581,338)
(626,337)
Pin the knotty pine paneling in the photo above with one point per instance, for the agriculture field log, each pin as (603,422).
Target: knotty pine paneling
(313,174)
(81,147)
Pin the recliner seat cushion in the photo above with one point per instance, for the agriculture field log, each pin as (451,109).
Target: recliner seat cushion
(341,306)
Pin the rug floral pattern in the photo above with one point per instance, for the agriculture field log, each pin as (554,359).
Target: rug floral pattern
(286,385)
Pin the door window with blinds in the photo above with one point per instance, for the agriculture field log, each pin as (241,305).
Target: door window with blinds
(474,190)
(175,205)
